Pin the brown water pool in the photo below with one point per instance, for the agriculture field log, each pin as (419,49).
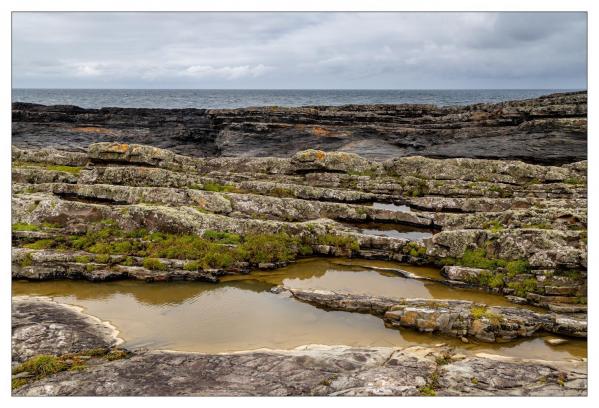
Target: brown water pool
(242,314)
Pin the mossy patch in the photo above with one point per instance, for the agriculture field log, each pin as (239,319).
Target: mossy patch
(25,227)
(40,244)
(339,241)
(219,188)
(154,264)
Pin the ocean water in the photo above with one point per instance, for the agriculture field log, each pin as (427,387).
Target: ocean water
(238,98)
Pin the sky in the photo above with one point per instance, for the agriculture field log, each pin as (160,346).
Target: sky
(299,50)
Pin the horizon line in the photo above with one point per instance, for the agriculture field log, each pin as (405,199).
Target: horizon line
(305,89)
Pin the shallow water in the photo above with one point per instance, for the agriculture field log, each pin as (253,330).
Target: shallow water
(241,313)
(391,207)
(393,230)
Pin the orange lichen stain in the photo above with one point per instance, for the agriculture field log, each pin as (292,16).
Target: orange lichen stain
(93,129)
(320,131)
(479,116)
(119,148)
(320,155)
(202,202)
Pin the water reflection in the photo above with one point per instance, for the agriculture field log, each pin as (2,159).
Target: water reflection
(391,207)
(393,230)
(241,313)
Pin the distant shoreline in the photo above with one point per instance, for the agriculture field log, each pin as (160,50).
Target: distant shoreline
(551,129)
(242,98)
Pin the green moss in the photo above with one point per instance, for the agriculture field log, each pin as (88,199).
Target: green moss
(493,226)
(26,261)
(427,391)
(339,241)
(100,248)
(67,169)
(574,180)
(517,267)
(191,266)
(40,244)
(25,227)
(116,354)
(476,258)
(82,259)
(41,366)
(129,261)
(218,259)
(222,237)
(154,264)
(266,248)
(220,188)
(103,258)
(480,312)
(524,287)
(443,359)
(415,250)
(305,250)
(17,383)
(491,280)
(121,247)
(90,268)
(282,192)
(50,225)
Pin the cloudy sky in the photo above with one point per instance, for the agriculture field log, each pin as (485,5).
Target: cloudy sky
(299,50)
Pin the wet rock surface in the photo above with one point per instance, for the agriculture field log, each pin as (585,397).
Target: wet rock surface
(308,370)
(549,129)
(457,318)
(42,326)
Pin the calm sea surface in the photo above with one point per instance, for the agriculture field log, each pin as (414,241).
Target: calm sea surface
(236,98)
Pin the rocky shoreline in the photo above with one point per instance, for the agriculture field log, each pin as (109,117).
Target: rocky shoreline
(308,370)
(112,212)
(546,130)
(88,204)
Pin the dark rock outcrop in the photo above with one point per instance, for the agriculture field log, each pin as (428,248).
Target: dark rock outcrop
(549,129)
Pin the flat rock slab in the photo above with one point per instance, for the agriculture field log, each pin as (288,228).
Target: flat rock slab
(456,318)
(42,326)
(308,370)
(316,370)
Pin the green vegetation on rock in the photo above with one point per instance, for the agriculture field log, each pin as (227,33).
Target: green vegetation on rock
(25,227)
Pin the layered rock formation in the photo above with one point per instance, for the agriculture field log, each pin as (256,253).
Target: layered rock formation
(548,130)
(457,318)
(520,228)
(309,370)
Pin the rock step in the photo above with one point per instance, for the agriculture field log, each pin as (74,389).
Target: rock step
(457,318)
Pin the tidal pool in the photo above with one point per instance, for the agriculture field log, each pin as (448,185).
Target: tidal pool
(393,230)
(241,313)
(391,207)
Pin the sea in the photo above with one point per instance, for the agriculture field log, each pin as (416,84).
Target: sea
(239,98)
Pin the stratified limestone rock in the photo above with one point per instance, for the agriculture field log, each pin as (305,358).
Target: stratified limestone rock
(550,129)
(491,212)
(449,317)
(306,370)
(544,248)
(42,326)
(462,273)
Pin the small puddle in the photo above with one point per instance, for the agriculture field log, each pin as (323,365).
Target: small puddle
(391,207)
(242,314)
(392,230)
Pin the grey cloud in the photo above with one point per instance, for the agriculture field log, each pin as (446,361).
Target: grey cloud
(300,50)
